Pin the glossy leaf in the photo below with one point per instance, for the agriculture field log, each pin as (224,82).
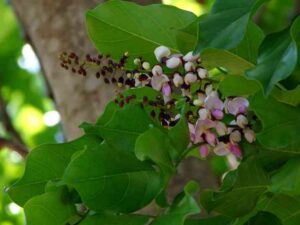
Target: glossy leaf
(280,124)
(47,163)
(124,127)
(277,57)
(51,208)
(156,146)
(115,220)
(112,179)
(226,25)
(238,86)
(284,207)
(137,29)
(287,179)
(238,200)
(291,97)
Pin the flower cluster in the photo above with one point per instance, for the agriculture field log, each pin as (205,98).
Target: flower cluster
(216,124)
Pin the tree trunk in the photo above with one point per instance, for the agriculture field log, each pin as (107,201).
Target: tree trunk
(52,27)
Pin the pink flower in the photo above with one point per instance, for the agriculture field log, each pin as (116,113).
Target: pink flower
(221,128)
(235,150)
(210,138)
(157,82)
(237,105)
(201,128)
(204,150)
(161,52)
(166,89)
(213,102)
(249,135)
(217,114)
(221,149)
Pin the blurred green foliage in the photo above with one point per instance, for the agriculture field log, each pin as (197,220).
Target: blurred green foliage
(27,99)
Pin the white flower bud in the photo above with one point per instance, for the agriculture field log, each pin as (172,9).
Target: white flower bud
(203,114)
(189,66)
(249,135)
(137,61)
(221,128)
(189,57)
(235,136)
(208,89)
(241,121)
(177,80)
(157,70)
(202,73)
(190,78)
(146,65)
(161,51)
(197,102)
(173,62)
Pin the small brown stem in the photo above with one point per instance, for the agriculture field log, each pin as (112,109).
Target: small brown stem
(21,149)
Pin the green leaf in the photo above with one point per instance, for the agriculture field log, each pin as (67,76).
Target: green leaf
(183,206)
(277,57)
(291,97)
(217,220)
(117,26)
(264,218)
(115,220)
(180,138)
(287,179)
(238,86)
(226,25)
(47,163)
(250,183)
(281,124)
(51,208)
(112,179)
(156,146)
(284,207)
(124,127)
(236,60)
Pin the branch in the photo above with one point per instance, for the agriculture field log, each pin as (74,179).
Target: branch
(17,142)
(21,149)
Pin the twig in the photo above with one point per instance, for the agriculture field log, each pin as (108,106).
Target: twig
(16,143)
(21,149)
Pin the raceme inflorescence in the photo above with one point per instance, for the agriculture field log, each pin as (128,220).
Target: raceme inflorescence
(216,124)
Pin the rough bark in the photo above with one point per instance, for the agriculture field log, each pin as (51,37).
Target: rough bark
(55,26)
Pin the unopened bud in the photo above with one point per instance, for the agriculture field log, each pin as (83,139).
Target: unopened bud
(203,114)
(202,73)
(161,51)
(137,61)
(249,135)
(146,65)
(190,78)
(189,66)
(173,62)
(157,70)
(235,136)
(189,57)
(177,80)
(241,121)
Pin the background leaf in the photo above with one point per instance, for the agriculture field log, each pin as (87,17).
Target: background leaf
(277,58)
(226,25)
(51,208)
(137,29)
(47,163)
(115,220)
(112,179)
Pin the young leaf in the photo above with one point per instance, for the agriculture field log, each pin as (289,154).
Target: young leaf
(51,208)
(47,163)
(226,25)
(280,124)
(118,26)
(277,57)
(251,182)
(112,179)
(99,219)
